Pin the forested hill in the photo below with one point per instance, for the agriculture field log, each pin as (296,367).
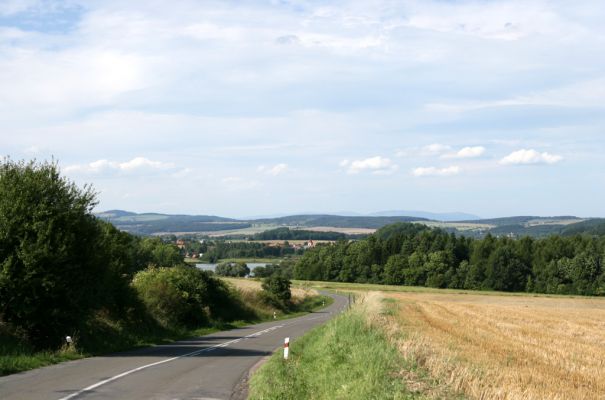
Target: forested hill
(151,223)
(338,221)
(154,223)
(412,254)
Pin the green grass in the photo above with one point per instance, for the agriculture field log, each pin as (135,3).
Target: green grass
(16,355)
(344,359)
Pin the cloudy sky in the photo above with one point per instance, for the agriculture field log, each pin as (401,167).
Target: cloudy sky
(241,108)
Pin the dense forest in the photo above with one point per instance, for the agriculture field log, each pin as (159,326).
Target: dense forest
(412,254)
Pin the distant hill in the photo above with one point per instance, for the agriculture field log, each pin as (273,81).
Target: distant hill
(594,226)
(528,226)
(337,221)
(452,216)
(154,223)
(526,220)
(150,223)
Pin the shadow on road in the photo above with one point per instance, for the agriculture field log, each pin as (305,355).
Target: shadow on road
(181,350)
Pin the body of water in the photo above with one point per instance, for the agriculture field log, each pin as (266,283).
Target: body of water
(212,267)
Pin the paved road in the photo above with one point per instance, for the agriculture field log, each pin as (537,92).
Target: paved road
(208,367)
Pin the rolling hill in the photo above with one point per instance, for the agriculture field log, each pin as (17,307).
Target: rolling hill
(158,224)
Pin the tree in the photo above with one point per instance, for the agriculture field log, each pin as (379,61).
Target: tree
(393,270)
(277,291)
(50,270)
(233,269)
(505,271)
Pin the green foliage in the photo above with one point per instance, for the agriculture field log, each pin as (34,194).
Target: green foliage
(156,252)
(50,269)
(276,290)
(232,269)
(282,269)
(344,359)
(298,234)
(185,296)
(221,249)
(415,255)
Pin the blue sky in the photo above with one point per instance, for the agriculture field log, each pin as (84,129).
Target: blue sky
(242,108)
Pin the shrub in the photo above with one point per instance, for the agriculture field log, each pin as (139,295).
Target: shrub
(276,291)
(233,269)
(186,296)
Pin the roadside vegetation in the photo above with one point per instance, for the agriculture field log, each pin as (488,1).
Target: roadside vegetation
(351,357)
(64,272)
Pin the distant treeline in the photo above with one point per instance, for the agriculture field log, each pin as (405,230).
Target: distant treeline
(412,254)
(298,234)
(219,250)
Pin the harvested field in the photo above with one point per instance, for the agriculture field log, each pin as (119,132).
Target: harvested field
(504,347)
(347,231)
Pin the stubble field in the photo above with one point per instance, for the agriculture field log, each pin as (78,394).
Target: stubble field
(503,347)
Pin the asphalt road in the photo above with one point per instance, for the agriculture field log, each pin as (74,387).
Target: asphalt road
(209,367)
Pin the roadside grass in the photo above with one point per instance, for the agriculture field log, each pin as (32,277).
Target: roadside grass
(16,355)
(105,333)
(349,358)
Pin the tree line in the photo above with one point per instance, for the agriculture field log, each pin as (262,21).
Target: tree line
(220,249)
(285,233)
(412,254)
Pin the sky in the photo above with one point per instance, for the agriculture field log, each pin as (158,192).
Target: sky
(244,108)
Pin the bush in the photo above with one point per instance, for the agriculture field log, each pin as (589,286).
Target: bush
(186,296)
(276,291)
(233,269)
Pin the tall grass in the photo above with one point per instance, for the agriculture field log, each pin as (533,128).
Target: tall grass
(345,359)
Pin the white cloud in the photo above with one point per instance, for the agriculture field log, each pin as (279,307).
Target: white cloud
(136,164)
(467,152)
(377,165)
(434,171)
(275,170)
(434,149)
(529,157)
(142,162)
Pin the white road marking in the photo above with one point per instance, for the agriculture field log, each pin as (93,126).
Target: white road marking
(132,371)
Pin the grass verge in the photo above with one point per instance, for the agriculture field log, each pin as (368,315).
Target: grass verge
(348,358)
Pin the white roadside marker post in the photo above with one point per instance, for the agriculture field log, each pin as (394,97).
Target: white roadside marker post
(286,348)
